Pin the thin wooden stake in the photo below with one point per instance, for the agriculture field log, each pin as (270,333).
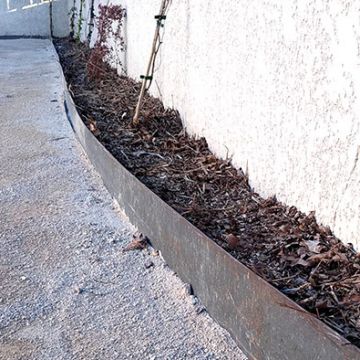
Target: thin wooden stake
(135,120)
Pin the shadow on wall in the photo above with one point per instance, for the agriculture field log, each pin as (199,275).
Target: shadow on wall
(32,17)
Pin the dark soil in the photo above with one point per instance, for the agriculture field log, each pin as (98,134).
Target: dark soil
(284,246)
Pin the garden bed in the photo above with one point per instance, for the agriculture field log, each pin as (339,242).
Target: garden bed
(282,245)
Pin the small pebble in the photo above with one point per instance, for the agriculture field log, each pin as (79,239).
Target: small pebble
(148,263)
(187,290)
(200,309)
(23,278)
(194,299)
(78,290)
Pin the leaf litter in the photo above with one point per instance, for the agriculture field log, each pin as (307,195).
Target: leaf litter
(288,248)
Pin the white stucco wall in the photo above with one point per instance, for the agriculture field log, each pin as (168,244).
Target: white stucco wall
(274,83)
(32,18)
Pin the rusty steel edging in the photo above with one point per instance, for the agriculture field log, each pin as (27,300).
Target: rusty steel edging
(265,323)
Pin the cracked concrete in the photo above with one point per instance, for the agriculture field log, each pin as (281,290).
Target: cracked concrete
(67,290)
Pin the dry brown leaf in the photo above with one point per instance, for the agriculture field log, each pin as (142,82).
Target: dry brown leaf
(232,241)
(351,300)
(139,242)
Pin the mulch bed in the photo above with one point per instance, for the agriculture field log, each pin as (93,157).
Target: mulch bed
(286,247)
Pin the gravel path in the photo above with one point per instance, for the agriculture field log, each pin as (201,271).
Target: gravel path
(67,290)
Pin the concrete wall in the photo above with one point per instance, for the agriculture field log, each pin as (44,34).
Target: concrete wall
(273,83)
(32,18)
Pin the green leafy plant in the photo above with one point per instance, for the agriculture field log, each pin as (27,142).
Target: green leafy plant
(80,21)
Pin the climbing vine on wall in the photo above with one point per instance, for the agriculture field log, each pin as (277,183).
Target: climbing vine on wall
(80,21)
(91,21)
(72,15)
(109,24)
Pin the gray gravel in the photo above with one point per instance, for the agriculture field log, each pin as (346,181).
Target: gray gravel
(67,290)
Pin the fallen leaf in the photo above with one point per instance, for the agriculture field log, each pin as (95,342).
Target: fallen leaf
(94,129)
(315,259)
(313,246)
(139,242)
(301,262)
(233,241)
(352,299)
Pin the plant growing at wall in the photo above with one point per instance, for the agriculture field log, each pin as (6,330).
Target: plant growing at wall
(109,24)
(91,21)
(72,15)
(80,21)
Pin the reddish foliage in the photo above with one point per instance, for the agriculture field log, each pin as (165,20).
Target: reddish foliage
(109,24)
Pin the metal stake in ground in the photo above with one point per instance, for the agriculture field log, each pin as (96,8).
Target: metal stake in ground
(154,50)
